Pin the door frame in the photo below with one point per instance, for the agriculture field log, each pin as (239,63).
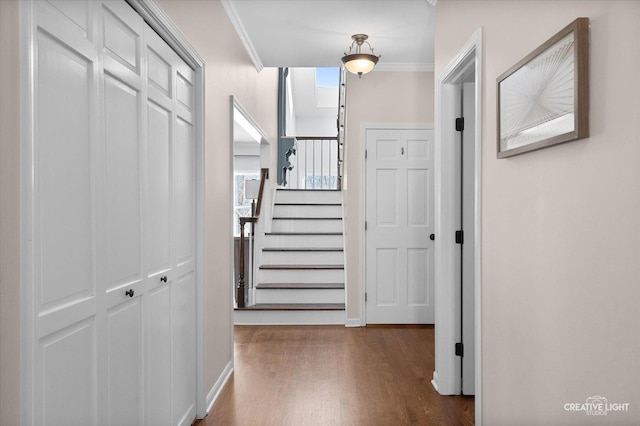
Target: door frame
(159,22)
(363,203)
(446,378)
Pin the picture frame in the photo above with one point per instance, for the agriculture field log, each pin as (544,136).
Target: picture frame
(543,100)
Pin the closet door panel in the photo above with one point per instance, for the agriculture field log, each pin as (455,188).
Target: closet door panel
(124,374)
(158,220)
(184,344)
(158,360)
(184,190)
(123,176)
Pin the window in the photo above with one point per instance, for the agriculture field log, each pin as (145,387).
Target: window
(241,205)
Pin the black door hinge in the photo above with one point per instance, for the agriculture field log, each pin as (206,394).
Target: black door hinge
(459,237)
(459,349)
(460,124)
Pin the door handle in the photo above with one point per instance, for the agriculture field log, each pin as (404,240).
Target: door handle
(163,279)
(402,151)
(432,237)
(129,292)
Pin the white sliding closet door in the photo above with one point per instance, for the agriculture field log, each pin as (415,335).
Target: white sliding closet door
(113,222)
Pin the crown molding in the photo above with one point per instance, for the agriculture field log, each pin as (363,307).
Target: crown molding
(407,67)
(234,17)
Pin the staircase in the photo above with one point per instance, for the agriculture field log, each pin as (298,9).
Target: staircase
(300,274)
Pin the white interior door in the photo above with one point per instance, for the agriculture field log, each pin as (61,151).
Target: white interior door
(113,220)
(399,221)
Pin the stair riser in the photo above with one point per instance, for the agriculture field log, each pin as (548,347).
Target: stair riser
(302,258)
(301,197)
(300,276)
(249,317)
(286,225)
(307,211)
(300,296)
(303,241)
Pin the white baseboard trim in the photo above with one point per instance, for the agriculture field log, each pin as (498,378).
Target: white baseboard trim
(353,322)
(213,394)
(434,381)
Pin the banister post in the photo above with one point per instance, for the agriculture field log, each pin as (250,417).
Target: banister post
(240,288)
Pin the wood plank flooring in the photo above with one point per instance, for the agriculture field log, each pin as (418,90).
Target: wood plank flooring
(332,375)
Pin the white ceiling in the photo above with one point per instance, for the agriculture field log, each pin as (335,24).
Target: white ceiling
(314,33)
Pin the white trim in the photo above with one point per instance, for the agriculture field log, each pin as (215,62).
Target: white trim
(353,322)
(235,103)
(167,30)
(234,17)
(214,393)
(445,384)
(404,67)
(363,176)
(27,122)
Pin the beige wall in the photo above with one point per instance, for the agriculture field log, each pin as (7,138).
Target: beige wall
(9,213)
(376,98)
(229,71)
(560,226)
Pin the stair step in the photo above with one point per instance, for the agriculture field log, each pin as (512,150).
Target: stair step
(307,218)
(299,286)
(300,267)
(301,275)
(302,233)
(307,204)
(311,240)
(304,224)
(294,307)
(297,249)
(291,196)
(305,316)
(277,256)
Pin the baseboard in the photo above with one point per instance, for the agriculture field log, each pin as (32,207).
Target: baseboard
(353,322)
(434,381)
(213,394)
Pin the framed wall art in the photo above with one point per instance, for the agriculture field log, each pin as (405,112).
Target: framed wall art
(543,100)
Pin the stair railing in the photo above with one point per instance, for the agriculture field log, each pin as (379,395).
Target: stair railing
(241,288)
(316,163)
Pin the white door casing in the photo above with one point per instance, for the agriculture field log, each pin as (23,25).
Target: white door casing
(399,221)
(468,248)
(446,377)
(112,210)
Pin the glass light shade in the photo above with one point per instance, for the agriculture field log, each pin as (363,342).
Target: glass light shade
(251,189)
(359,63)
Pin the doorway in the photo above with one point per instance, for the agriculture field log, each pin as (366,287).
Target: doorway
(458,174)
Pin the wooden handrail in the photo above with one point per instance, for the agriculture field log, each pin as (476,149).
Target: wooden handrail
(264,175)
(316,138)
(240,289)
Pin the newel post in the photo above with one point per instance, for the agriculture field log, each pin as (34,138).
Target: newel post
(240,288)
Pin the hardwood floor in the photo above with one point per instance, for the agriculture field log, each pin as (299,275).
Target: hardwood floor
(332,375)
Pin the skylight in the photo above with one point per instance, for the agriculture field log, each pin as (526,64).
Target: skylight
(328,77)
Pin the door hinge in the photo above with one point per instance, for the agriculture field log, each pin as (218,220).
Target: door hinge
(365,297)
(459,237)
(365,154)
(460,124)
(459,349)
(365,225)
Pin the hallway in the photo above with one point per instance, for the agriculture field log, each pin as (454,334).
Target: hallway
(332,375)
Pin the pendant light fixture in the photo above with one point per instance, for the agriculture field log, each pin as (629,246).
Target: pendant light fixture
(358,62)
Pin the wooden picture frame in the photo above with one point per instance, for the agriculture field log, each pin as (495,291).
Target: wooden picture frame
(543,100)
